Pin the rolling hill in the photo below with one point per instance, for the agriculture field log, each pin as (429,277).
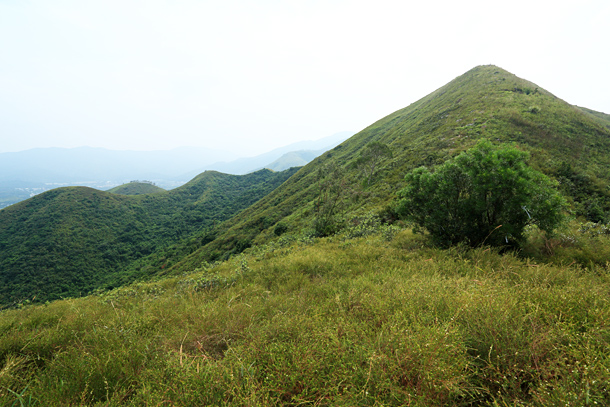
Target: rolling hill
(54,165)
(136,188)
(568,143)
(85,231)
(294,159)
(261,309)
(70,241)
(24,174)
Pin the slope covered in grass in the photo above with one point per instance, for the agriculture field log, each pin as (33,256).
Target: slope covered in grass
(136,188)
(69,241)
(371,315)
(565,142)
(380,320)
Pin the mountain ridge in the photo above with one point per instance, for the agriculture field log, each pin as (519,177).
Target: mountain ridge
(564,142)
(72,240)
(374,314)
(26,173)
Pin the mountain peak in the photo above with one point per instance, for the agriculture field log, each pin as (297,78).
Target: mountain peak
(484,102)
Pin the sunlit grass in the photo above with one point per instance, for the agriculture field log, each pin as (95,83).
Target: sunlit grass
(335,321)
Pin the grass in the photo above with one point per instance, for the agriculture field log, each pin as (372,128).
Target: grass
(373,316)
(376,320)
(566,143)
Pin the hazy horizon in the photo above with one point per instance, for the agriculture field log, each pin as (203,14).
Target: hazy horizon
(251,77)
(224,151)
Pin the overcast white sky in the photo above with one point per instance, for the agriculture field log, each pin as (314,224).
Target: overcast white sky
(250,76)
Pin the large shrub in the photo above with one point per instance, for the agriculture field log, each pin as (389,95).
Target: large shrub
(486,195)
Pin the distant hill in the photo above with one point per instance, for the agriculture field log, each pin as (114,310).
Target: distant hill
(63,165)
(79,233)
(136,188)
(267,160)
(69,241)
(27,173)
(568,143)
(371,315)
(294,159)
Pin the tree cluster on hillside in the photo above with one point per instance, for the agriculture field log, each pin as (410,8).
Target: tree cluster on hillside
(486,195)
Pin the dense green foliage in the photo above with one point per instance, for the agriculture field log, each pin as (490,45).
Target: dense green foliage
(371,321)
(484,195)
(329,200)
(257,310)
(65,240)
(486,102)
(70,241)
(371,158)
(136,188)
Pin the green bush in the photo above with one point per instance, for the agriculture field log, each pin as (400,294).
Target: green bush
(280,229)
(485,195)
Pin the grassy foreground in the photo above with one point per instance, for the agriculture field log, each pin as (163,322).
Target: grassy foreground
(373,321)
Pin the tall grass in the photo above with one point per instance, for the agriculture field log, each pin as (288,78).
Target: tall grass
(362,321)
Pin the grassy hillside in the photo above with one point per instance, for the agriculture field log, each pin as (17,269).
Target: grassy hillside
(368,321)
(136,188)
(69,241)
(371,315)
(567,143)
(605,118)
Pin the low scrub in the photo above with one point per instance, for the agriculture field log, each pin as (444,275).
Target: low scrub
(372,320)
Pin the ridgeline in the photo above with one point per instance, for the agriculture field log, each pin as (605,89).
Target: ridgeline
(305,288)
(567,143)
(70,241)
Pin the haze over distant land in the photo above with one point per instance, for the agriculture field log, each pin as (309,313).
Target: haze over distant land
(310,286)
(253,76)
(27,173)
(98,239)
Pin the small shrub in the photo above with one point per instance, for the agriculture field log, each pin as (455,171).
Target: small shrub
(280,229)
(534,109)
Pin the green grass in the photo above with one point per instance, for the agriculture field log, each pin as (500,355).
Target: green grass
(136,188)
(68,242)
(567,143)
(252,314)
(334,321)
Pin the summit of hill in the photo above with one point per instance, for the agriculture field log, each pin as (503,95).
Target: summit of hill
(72,240)
(136,188)
(302,287)
(566,142)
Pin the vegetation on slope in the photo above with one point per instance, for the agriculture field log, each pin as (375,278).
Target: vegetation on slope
(370,321)
(565,143)
(136,188)
(485,195)
(70,241)
(370,315)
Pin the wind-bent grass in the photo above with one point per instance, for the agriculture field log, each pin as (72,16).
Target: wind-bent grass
(334,322)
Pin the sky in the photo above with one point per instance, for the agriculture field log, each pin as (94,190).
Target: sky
(251,76)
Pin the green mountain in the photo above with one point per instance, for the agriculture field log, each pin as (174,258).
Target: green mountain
(371,315)
(70,241)
(136,188)
(568,143)
(293,159)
